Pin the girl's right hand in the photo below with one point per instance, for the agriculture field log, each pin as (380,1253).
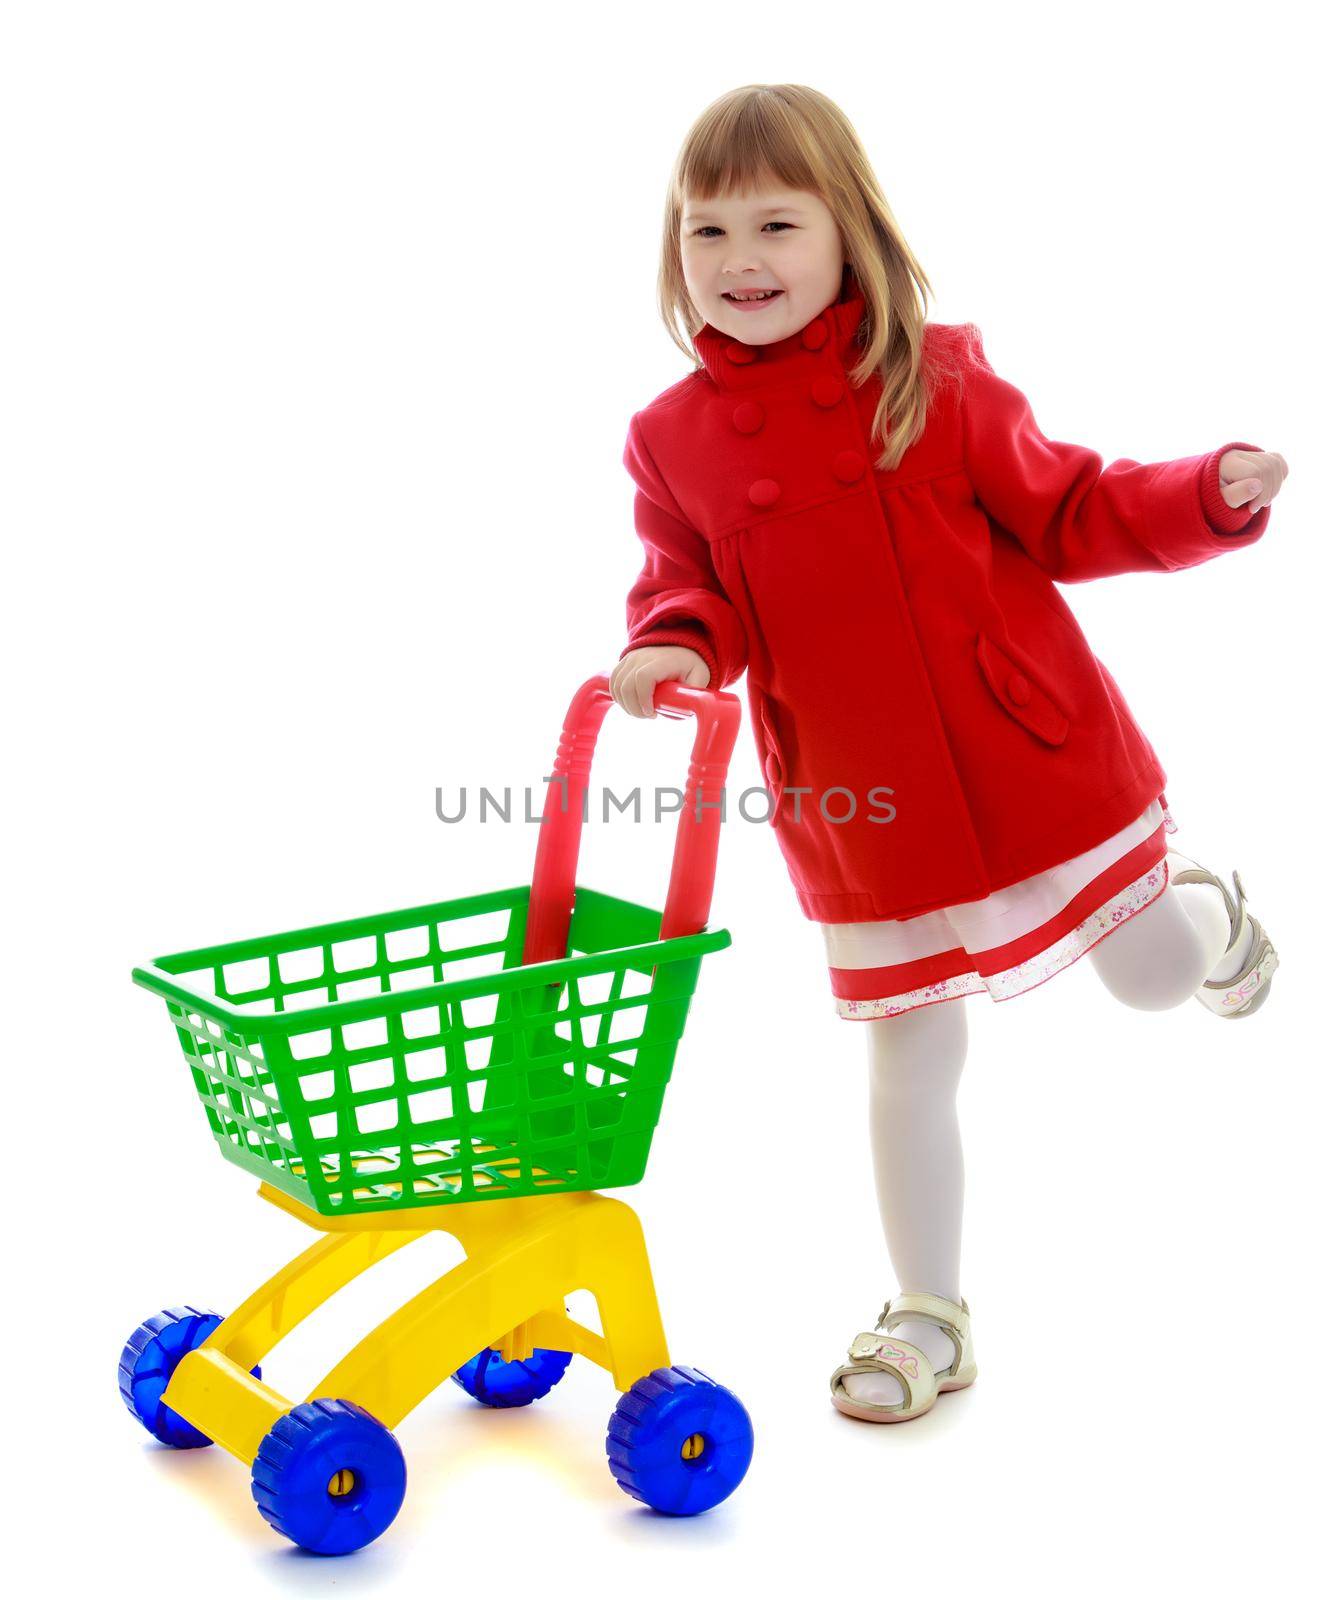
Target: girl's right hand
(635,674)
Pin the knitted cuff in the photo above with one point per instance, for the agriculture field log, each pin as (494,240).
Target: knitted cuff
(692,639)
(1221,517)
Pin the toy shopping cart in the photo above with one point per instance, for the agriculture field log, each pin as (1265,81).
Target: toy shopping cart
(396,1074)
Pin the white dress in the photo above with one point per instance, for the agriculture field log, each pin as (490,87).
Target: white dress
(1012,940)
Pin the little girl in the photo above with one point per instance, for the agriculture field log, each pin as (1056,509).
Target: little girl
(847,501)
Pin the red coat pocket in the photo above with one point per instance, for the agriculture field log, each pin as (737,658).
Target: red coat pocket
(1020,693)
(774,770)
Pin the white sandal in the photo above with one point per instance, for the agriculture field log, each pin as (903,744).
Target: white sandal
(1245,991)
(907,1363)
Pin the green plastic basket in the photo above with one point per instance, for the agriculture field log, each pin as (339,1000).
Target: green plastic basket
(429,1056)
(409,1059)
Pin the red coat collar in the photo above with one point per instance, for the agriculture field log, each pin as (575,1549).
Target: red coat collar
(734,365)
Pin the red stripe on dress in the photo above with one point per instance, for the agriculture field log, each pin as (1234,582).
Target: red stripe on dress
(878,983)
(1098,891)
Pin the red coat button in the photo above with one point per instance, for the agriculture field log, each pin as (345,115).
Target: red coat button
(748,417)
(815,335)
(827,391)
(849,466)
(764,491)
(1018,690)
(741,354)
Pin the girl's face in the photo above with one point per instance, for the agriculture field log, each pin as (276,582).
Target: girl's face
(778,239)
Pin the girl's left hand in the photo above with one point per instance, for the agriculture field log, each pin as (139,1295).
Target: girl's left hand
(1250,475)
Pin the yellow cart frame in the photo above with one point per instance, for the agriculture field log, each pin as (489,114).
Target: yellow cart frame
(522,1258)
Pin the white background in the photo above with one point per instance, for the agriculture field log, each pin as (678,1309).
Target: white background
(322,328)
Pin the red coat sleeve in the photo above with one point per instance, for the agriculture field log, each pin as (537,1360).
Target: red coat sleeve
(677,598)
(1078,519)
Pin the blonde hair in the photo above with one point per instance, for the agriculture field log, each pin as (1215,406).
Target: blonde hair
(784,133)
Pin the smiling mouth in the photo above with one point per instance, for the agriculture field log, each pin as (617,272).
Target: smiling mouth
(751,299)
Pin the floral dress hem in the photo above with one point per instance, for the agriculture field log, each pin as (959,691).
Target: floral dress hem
(1007,943)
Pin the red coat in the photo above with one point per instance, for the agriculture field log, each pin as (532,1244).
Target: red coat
(902,630)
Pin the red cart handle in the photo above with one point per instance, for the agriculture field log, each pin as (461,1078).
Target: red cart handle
(694,862)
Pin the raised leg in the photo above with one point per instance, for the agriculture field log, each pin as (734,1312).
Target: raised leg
(1159,957)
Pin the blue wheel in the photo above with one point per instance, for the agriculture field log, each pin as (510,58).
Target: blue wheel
(148,1364)
(501,1383)
(329,1477)
(679,1442)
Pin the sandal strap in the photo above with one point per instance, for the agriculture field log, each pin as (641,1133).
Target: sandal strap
(918,1306)
(1235,908)
(1260,964)
(907,1363)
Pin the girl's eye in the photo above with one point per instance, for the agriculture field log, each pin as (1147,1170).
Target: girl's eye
(712,228)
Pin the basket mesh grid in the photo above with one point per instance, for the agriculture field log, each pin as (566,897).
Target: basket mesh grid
(529,1088)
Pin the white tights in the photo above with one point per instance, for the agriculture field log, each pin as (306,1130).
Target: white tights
(1154,960)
